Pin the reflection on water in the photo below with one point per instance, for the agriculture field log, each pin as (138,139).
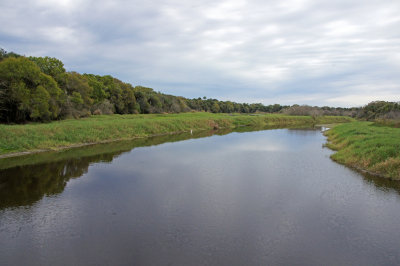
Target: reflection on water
(25,185)
(269,197)
(26,179)
(383,184)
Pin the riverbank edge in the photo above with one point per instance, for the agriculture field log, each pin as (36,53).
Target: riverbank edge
(338,144)
(19,140)
(80,145)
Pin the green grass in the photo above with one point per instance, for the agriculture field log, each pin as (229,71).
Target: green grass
(387,122)
(107,151)
(95,129)
(367,146)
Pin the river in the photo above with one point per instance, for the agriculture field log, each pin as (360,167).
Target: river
(265,197)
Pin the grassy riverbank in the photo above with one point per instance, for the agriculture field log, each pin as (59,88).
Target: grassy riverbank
(367,146)
(97,129)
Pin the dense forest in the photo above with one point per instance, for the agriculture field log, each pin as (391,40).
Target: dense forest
(40,89)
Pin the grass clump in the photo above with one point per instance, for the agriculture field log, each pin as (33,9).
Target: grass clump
(367,146)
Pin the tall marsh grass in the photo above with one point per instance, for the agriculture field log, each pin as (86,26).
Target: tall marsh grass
(367,146)
(96,129)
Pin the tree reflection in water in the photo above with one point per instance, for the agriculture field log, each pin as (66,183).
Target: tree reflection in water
(25,180)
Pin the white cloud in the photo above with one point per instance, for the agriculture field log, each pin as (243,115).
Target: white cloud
(314,52)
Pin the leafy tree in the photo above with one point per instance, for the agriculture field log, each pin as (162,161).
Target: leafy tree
(99,93)
(78,101)
(215,108)
(75,82)
(40,106)
(229,107)
(129,99)
(76,98)
(4,54)
(379,109)
(143,102)
(52,67)
(26,93)
(143,89)
(156,104)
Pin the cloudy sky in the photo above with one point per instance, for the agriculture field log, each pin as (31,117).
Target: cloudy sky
(325,52)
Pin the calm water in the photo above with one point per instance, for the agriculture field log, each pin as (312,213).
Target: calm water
(268,197)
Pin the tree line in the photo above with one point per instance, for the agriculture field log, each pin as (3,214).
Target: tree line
(380,110)
(40,89)
(372,111)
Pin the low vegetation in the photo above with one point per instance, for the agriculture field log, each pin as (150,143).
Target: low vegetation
(367,146)
(103,128)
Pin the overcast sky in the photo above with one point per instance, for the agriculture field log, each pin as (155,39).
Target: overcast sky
(334,52)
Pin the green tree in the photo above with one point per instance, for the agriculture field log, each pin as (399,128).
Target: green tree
(75,82)
(26,93)
(215,108)
(79,101)
(230,107)
(52,67)
(156,104)
(129,99)
(76,98)
(40,103)
(4,54)
(99,93)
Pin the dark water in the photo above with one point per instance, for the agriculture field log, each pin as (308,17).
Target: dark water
(257,198)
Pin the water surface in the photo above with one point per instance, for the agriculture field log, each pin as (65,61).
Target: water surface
(253,198)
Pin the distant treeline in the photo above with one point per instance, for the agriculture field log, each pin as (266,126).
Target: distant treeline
(377,110)
(380,110)
(40,89)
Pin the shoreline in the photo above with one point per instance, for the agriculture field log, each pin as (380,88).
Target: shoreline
(19,140)
(79,145)
(366,148)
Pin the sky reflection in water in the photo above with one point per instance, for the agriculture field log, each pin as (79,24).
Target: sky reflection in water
(262,197)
